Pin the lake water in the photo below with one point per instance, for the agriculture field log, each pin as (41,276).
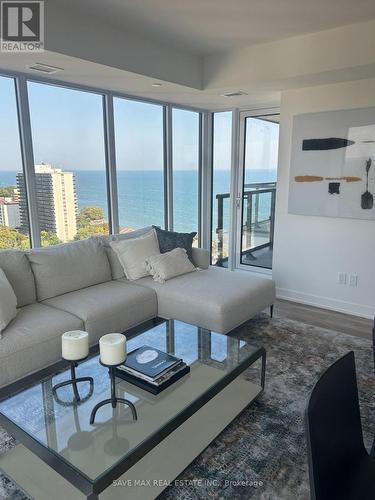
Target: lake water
(141,195)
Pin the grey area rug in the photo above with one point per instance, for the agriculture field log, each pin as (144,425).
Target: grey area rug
(265,446)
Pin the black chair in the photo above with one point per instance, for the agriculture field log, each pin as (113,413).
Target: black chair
(339,465)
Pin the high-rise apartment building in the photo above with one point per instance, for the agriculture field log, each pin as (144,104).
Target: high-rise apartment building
(56,200)
(9,213)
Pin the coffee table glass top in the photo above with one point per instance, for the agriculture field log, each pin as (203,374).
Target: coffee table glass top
(93,450)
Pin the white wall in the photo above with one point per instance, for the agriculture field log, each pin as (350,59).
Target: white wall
(309,252)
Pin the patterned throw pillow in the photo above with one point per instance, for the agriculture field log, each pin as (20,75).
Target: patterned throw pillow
(168,265)
(168,240)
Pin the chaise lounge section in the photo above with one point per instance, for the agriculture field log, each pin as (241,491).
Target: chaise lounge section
(212,298)
(81,285)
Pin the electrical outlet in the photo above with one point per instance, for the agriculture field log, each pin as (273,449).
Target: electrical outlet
(341,278)
(353,279)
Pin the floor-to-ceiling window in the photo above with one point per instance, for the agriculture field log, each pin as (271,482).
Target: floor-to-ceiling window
(186,157)
(14,220)
(221,176)
(70,148)
(70,167)
(139,139)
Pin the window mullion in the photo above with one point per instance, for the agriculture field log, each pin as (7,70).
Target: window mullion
(111,172)
(28,159)
(168,166)
(235,211)
(206,182)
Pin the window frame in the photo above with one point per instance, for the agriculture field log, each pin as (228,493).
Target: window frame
(200,169)
(164,162)
(211,182)
(239,183)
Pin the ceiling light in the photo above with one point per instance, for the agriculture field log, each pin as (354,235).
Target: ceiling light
(236,93)
(156,84)
(44,68)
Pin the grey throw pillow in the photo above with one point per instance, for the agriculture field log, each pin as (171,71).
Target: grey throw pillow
(168,240)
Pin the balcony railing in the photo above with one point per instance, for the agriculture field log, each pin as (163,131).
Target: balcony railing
(258,220)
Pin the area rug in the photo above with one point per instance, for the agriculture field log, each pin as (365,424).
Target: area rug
(262,454)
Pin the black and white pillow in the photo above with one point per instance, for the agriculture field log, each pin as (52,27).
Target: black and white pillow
(169,240)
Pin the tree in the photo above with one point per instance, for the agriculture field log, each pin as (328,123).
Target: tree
(7,192)
(48,238)
(91,230)
(89,214)
(11,238)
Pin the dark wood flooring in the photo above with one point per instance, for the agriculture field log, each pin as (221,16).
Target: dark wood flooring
(324,318)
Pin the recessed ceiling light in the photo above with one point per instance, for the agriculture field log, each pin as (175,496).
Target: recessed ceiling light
(236,93)
(156,84)
(44,68)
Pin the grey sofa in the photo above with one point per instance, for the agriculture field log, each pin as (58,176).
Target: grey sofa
(81,285)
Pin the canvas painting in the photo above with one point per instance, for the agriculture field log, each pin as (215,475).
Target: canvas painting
(332,169)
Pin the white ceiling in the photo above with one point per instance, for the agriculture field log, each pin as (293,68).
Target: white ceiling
(204,27)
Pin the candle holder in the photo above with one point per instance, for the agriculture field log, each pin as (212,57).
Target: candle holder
(113,399)
(73,381)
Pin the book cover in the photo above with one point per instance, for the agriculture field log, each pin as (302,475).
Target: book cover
(152,388)
(150,362)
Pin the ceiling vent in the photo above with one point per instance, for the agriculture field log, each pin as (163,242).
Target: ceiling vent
(236,93)
(45,68)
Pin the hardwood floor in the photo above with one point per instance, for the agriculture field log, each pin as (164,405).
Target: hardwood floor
(324,318)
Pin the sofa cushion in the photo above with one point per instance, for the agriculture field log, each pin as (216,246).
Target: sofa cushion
(18,271)
(109,307)
(33,340)
(168,240)
(8,302)
(116,267)
(215,299)
(59,269)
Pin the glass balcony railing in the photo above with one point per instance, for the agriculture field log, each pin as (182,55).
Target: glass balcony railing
(257,225)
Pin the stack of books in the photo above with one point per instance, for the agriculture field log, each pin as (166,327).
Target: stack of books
(151,369)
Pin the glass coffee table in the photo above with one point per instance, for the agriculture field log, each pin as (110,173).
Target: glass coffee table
(60,455)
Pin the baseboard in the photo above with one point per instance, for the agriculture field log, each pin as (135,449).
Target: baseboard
(360,310)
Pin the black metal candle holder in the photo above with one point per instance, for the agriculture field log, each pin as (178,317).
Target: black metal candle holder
(114,399)
(73,381)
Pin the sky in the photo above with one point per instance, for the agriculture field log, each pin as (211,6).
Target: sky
(67,131)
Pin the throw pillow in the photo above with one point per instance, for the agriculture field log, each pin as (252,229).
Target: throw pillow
(116,267)
(8,302)
(168,240)
(168,265)
(132,254)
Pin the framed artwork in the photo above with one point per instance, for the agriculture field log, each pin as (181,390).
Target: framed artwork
(332,170)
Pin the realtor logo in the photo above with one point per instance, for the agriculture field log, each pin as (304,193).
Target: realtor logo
(22,26)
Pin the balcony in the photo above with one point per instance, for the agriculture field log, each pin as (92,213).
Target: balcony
(257,226)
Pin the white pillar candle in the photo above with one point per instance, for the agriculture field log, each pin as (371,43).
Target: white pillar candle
(75,345)
(112,349)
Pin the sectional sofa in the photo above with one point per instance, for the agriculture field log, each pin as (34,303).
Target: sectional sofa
(81,285)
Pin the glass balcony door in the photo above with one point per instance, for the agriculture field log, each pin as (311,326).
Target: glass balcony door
(255,202)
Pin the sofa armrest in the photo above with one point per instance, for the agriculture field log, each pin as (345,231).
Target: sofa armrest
(201,258)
